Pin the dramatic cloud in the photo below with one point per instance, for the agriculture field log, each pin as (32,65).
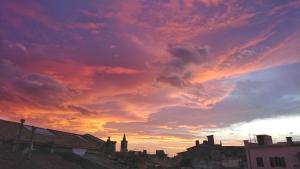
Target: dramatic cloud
(185,56)
(162,71)
(32,88)
(253,96)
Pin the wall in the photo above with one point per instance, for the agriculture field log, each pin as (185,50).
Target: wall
(289,152)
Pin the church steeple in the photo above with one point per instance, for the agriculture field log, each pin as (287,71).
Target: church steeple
(124,137)
(124,144)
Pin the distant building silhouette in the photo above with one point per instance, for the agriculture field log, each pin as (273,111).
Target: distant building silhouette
(160,154)
(124,143)
(110,146)
(210,155)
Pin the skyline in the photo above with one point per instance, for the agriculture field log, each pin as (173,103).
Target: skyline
(164,72)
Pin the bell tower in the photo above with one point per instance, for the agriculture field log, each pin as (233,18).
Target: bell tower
(124,144)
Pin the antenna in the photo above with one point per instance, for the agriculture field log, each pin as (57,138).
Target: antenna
(249,138)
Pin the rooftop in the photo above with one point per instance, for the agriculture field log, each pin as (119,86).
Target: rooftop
(9,130)
(266,141)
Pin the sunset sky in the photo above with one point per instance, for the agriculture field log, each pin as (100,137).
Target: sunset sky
(165,72)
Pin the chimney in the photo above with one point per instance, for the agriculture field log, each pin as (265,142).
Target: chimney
(264,139)
(246,143)
(210,140)
(289,140)
(197,143)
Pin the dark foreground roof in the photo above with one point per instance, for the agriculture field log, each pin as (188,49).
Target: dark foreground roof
(9,160)
(8,131)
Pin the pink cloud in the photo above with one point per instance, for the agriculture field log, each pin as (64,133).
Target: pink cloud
(211,2)
(87,26)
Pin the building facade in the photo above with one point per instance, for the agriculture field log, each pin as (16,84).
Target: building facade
(266,155)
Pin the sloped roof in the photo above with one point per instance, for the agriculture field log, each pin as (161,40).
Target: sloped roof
(8,131)
(94,139)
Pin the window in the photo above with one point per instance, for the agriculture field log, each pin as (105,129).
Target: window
(259,162)
(277,162)
(272,162)
(282,160)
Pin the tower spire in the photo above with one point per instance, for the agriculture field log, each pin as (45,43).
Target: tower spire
(124,137)
(124,144)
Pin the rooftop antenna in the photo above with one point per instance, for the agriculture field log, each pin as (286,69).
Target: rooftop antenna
(250,141)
